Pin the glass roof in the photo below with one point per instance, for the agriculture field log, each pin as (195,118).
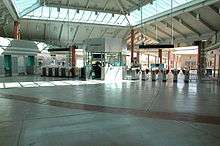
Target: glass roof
(156,8)
(52,13)
(25,6)
(31,9)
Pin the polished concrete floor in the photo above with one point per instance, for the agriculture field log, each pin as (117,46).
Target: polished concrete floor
(95,113)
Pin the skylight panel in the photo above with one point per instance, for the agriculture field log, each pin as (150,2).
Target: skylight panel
(62,13)
(151,10)
(46,12)
(54,13)
(25,6)
(93,17)
(100,17)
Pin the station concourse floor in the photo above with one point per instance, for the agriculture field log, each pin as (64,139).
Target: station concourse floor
(37,111)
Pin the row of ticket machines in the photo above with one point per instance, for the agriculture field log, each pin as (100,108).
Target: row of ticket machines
(162,73)
(59,71)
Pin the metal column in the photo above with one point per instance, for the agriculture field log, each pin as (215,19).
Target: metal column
(73,54)
(132,45)
(201,59)
(168,59)
(160,56)
(16,32)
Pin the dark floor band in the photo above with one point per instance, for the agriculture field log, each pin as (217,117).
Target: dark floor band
(116,110)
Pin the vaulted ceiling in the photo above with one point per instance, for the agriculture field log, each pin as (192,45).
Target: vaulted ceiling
(199,19)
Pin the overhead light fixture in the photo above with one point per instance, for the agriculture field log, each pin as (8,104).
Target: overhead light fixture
(198,17)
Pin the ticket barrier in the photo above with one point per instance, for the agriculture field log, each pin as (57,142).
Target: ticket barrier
(175,73)
(144,74)
(154,74)
(186,75)
(164,74)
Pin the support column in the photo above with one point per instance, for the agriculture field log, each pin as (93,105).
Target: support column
(73,54)
(168,59)
(16,31)
(132,45)
(214,64)
(160,56)
(174,61)
(148,60)
(201,59)
(219,67)
(138,56)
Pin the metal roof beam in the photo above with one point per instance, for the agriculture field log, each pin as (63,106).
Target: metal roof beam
(106,4)
(106,29)
(117,31)
(170,26)
(178,11)
(61,30)
(87,4)
(216,10)
(162,31)
(121,6)
(91,32)
(81,23)
(75,33)
(203,21)
(187,26)
(132,2)
(105,10)
(11,9)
